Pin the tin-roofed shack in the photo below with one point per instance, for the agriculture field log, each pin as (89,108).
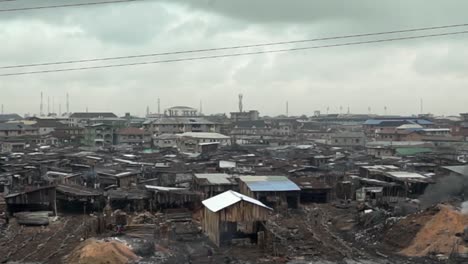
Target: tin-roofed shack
(231,215)
(211,184)
(76,198)
(274,191)
(127,179)
(408,184)
(172,197)
(36,199)
(130,200)
(313,190)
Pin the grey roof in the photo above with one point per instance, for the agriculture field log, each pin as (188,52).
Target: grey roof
(462,170)
(348,135)
(128,194)
(215,178)
(182,107)
(48,123)
(15,126)
(251,124)
(92,115)
(166,136)
(182,120)
(9,117)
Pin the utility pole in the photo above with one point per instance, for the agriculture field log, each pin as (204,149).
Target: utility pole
(287,109)
(68,105)
(422,109)
(159,106)
(48,105)
(2,110)
(41,112)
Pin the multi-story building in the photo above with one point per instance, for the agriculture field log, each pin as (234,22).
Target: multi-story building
(165,141)
(347,139)
(251,115)
(195,141)
(47,126)
(181,111)
(11,130)
(98,135)
(132,136)
(83,118)
(176,125)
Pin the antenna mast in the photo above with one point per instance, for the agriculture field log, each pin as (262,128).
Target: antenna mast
(241,106)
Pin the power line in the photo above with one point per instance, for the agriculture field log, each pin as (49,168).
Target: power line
(235,54)
(64,5)
(232,47)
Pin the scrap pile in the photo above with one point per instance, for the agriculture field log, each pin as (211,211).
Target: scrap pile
(33,218)
(144,218)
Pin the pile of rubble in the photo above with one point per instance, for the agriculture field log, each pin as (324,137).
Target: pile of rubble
(144,218)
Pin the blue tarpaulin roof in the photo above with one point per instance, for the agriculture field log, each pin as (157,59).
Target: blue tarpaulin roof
(269,183)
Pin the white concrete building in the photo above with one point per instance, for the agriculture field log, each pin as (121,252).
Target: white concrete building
(194,141)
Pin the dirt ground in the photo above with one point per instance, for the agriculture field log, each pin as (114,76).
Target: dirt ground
(41,244)
(316,233)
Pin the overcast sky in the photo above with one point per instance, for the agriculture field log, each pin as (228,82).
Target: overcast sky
(395,74)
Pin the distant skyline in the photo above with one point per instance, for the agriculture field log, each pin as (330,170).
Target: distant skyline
(396,75)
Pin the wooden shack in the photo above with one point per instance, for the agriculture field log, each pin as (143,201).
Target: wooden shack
(313,190)
(76,198)
(171,197)
(274,191)
(232,215)
(130,200)
(127,179)
(211,184)
(35,199)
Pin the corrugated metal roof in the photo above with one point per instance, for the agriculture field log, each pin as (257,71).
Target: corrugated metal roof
(269,183)
(462,170)
(227,199)
(215,178)
(406,174)
(227,164)
(414,121)
(209,135)
(412,151)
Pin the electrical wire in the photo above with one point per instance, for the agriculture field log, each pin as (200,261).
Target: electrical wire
(65,5)
(234,54)
(232,47)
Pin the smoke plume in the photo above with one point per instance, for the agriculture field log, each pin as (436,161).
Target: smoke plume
(444,189)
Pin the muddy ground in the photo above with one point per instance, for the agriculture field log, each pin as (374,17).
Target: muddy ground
(314,234)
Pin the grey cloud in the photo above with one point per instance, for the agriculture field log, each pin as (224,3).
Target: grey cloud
(391,74)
